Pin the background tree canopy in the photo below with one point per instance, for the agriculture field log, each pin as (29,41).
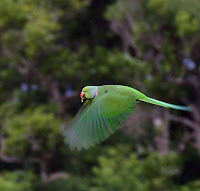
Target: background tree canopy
(50,49)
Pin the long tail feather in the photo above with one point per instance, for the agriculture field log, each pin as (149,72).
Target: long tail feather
(163,104)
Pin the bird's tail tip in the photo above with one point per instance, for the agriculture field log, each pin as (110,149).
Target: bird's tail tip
(187,108)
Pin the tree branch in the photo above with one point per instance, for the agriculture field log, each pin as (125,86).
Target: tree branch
(9,159)
(183,120)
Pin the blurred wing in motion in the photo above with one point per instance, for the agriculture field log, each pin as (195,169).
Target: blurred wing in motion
(98,118)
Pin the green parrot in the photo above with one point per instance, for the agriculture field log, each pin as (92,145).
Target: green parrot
(105,109)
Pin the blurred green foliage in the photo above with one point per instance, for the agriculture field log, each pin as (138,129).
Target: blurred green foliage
(69,183)
(121,169)
(17,181)
(50,49)
(34,130)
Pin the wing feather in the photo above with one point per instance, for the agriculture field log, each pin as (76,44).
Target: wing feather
(99,118)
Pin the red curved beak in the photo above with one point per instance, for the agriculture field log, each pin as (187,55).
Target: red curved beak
(82,96)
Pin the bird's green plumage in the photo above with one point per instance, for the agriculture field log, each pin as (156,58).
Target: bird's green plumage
(101,116)
(163,104)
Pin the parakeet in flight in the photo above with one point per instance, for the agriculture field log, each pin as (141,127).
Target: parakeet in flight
(105,109)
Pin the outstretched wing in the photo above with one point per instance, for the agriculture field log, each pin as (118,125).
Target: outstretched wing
(98,118)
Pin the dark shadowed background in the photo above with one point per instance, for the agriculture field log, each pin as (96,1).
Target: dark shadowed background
(50,49)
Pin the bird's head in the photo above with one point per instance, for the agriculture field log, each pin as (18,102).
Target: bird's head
(88,92)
